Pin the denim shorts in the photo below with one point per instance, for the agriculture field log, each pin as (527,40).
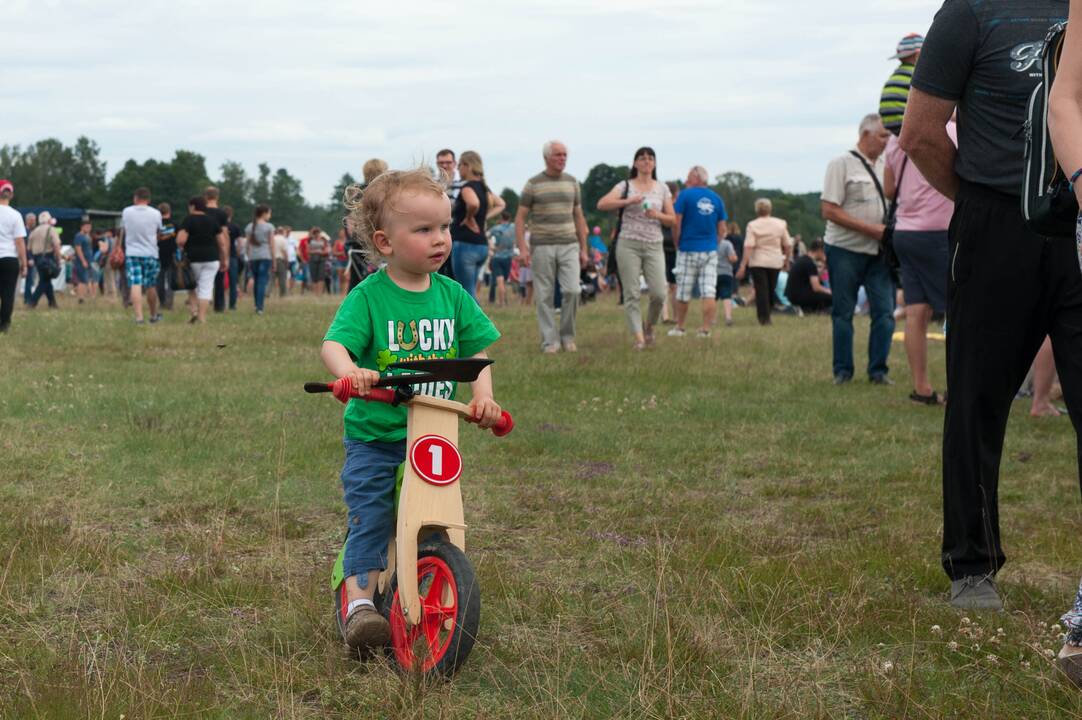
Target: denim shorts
(368,483)
(80,273)
(500,266)
(725,287)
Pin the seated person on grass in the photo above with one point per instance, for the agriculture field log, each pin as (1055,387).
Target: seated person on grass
(804,288)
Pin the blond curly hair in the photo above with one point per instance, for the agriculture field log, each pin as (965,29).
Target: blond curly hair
(369,207)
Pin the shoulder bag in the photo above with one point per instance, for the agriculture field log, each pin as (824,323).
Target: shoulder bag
(47,265)
(886,243)
(116,257)
(183,274)
(611,266)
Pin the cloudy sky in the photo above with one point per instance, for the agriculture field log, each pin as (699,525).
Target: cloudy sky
(773,88)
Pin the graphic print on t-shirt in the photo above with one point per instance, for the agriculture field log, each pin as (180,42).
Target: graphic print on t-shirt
(424,339)
(704,206)
(1027,55)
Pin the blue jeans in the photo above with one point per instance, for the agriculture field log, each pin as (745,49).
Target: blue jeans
(44,286)
(28,283)
(368,480)
(466,262)
(260,278)
(848,271)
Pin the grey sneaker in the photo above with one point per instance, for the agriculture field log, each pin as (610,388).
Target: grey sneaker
(1070,663)
(976,592)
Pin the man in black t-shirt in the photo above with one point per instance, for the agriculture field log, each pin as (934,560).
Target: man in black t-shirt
(238,263)
(1008,287)
(212,195)
(167,253)
(804,289)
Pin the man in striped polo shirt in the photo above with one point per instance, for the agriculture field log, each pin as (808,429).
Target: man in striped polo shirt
(552,203)
(896,91)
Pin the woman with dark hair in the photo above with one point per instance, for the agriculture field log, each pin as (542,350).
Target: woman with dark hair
(473,207)
(260,234)
(201,239)
(644,206)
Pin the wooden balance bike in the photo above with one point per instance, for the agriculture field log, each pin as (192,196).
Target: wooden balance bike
(429,591)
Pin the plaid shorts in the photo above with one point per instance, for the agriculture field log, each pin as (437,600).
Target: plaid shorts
(142,271)
(696,267)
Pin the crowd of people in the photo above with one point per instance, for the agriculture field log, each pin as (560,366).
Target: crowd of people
(922,221)
(138,258)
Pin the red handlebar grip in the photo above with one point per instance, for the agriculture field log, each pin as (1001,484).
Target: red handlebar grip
(343,390)
(504,425)
(383,395)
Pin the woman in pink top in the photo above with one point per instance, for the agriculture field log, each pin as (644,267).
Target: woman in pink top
(767,247)
(920,242)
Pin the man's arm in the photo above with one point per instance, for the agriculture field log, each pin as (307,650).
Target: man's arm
(834,213)
(925,140)
(583,233)
(223,242)
(677,222)
(20,250)
(520,235)
(723,228)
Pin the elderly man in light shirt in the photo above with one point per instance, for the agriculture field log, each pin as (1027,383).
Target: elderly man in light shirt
(855,209)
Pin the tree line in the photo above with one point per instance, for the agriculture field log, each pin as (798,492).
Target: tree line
(53,174)
(48,172)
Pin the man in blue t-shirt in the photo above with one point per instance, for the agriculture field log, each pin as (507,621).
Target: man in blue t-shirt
(80,266)
(700,221)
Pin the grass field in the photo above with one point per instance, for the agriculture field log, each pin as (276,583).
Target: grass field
(707,530)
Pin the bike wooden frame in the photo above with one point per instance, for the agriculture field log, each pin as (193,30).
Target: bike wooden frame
(424,508)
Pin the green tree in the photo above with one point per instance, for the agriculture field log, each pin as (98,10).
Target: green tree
(738,192)
(89,189)
(41,174)
(236,190)
(599,181)
(174,182)
(261,190)
(287,200)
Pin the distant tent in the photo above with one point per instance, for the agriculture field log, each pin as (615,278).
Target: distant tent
(68,219)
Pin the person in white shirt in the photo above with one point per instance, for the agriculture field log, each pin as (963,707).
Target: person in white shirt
(140,227)
(291,255)
(12,253)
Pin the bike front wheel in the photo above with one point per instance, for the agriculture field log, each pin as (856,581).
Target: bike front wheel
(450,612)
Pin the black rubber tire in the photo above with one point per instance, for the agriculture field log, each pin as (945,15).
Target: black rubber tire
(468,612)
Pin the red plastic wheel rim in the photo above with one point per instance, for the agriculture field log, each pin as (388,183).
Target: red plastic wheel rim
(439,611)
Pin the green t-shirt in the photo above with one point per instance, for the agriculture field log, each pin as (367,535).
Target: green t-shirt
(379,323)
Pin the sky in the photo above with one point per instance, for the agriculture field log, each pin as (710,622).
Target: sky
(773,88)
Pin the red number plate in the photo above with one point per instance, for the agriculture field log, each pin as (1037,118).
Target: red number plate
(436,460)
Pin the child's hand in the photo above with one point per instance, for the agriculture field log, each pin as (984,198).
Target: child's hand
(363,379)
(485,411)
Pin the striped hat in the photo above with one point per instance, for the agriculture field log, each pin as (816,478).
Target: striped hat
(908,45)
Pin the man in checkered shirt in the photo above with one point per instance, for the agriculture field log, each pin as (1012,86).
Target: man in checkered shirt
(700,221)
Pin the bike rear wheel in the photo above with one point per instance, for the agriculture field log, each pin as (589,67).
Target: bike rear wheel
(450,612)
